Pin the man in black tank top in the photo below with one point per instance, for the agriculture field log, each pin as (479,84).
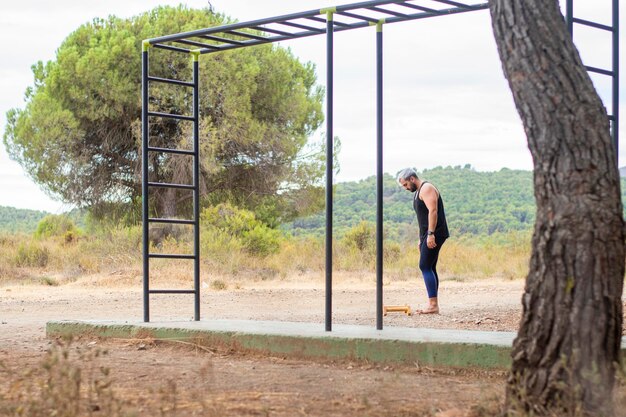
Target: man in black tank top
(431,217)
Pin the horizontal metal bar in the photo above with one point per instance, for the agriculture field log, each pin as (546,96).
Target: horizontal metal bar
(416,7)
(592,24)
(389,12)
(441,12)
(599,70)
(454,3)
(195,43)
(273,39)
(364,5)
(172,291)
(170,150)
(170,256)
(171,48)
(170,221)
(358,17)
(169,185)
(220,39)
(305,27)
(234,26)
(169,81)
(360,24)
(277,32)
(171,116)
(260,22)
(246,35)
(319,19)
(611,118)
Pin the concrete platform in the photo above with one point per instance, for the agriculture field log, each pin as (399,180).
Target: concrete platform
(393,345)
(424,347)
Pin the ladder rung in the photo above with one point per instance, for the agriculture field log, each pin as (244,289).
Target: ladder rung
(168,185)
(599,70)
(335,23)
(173,221)
(172,291)
(247,35)
(171,116)
(592,24)
(270,30)
(170,81)
(420,8)
(223,40)
(389,12)
(171,48)
(454,3)
(169,150)
(305,27)
(170,256)
(358,17)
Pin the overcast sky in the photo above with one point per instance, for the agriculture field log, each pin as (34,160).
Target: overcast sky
(446,100)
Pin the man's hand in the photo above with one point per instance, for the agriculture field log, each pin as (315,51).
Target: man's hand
(430,242)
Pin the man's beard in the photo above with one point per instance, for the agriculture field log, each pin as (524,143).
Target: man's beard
(413,188)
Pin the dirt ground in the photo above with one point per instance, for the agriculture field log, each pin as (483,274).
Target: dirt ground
(159,378)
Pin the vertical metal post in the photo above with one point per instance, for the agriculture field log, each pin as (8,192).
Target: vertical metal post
(569,16)
(615,105)
(329,169)
(379,175)
(196,187)
(145,131)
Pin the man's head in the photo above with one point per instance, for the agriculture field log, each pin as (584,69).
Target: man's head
(407,178)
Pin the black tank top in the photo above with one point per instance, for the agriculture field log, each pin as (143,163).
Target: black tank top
(441,230)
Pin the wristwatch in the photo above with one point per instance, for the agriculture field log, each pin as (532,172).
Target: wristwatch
(430,233)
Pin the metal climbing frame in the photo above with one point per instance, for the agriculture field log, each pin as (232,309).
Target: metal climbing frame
(293,26)
(146,185)
(614,71)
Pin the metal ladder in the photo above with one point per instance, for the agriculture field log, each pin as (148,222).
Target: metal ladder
(614,71)
(146,185)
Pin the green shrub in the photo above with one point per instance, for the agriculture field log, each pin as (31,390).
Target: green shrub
(32,254)
(56,225)
(242,227)
(362,236)
(261,240)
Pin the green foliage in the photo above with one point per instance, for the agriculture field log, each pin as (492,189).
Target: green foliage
(32,254)
(19,220)
(79,134)
(57,225)
(476,203)
(362,236)
(226,222)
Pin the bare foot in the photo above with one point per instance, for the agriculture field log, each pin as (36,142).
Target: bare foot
(428,310)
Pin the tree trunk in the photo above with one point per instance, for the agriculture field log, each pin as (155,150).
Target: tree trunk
(568,346)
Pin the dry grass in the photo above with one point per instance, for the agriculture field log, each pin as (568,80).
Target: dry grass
(73,381)
(67,383)
(114,258)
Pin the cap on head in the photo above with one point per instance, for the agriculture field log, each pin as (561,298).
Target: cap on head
(405,174)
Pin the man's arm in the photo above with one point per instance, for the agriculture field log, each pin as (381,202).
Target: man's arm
(429,196)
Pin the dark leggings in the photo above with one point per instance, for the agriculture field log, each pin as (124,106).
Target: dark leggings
(428,266)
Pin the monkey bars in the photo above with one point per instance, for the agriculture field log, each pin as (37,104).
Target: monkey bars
(326,21)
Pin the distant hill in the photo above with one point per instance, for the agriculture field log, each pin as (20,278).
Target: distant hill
(19,220)
(477,203)
(622,172)
(13,220)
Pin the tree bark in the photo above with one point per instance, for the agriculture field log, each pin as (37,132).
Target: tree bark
(568,346)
